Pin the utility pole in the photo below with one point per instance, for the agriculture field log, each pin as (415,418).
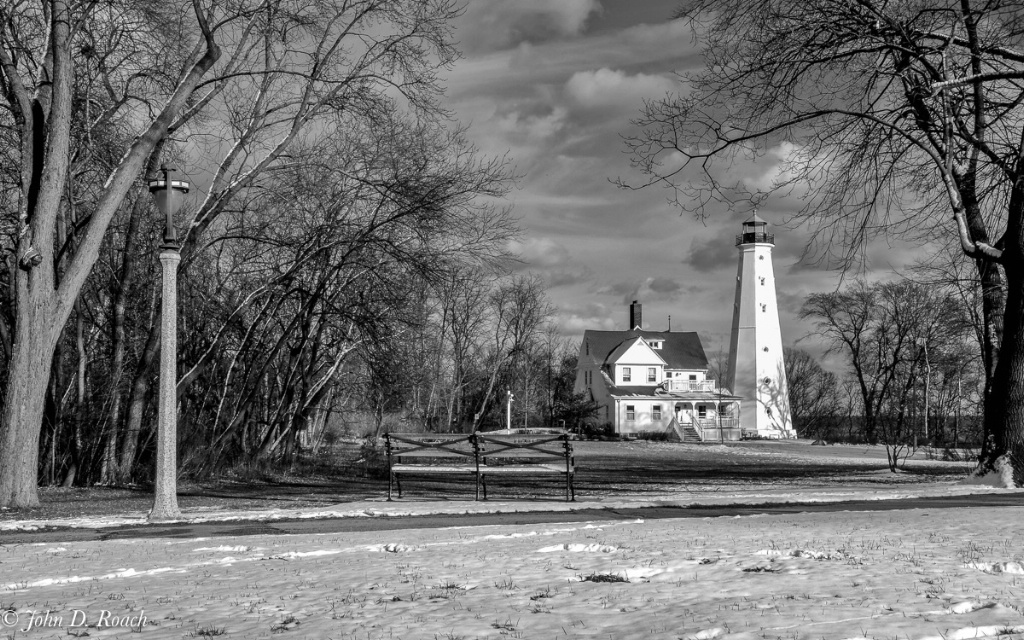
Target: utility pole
(927,380)
(956,424)
(508,411)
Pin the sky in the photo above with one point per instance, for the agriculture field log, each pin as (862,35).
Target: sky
(555,85)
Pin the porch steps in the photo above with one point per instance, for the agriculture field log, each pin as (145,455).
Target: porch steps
(686,432)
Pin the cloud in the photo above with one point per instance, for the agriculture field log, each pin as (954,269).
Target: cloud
(708,255)
(490,25)
(790,301)
(623,290)
(574,320)
(607,88)
(540,252)
(549,258)
(566,277)
(519,127)
(664,286)
(657,288)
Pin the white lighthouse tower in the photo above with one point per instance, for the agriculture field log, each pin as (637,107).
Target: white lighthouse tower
(757,372)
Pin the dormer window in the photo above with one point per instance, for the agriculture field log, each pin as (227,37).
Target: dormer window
(656,344)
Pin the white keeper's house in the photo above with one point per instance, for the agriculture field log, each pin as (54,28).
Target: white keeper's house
(655,381)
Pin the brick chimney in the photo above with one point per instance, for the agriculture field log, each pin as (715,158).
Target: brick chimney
(636,316)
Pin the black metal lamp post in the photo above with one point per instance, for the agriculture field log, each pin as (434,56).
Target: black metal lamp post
(168,194)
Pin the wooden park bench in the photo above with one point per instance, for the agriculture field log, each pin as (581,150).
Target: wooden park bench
(523,455)
(430,454)
(481,455)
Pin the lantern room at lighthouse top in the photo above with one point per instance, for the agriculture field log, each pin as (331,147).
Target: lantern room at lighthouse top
(755,230)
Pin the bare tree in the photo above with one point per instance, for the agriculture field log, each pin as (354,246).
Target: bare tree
(255,75)
(813,393)
(901,118)
(880,329)
(519,311)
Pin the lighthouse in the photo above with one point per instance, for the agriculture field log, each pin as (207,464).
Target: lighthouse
(757,372)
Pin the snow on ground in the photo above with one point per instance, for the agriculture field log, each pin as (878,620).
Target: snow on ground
(708,496)
(944,573)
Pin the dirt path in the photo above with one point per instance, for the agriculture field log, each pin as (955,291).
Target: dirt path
(343,525)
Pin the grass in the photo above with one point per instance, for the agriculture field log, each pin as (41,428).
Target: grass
(604,468)
(604,577)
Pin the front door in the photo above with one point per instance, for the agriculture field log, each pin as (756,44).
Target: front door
(684,413)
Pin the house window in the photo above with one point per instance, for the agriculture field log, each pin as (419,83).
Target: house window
(656,412)
(630,412)
(652,374)
(702,411)
(627,374)
(693,377)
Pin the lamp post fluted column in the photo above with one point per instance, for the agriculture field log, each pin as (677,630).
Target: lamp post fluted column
(167,192)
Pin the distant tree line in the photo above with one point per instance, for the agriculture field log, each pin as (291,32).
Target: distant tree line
(912,368)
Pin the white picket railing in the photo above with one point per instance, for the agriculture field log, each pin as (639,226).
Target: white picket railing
(692,385)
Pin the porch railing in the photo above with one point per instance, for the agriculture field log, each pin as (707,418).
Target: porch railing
(692,385)
(715,423)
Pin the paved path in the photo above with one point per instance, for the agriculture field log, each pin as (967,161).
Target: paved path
(391,523)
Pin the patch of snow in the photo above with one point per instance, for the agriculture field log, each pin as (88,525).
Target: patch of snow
(391,547)
(965,607)
(967,633)
(706,634)
(578,548)
(684,577)
(998,567)
(771,553)
(1001,477)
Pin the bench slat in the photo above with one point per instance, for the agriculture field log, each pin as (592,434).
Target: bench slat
(421,468)
(522,469)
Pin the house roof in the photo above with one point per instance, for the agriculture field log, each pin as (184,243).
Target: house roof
(681,349)
(638,391)
(625,346)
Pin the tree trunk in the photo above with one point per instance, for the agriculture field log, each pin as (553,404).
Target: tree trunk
(123,467)
(1004,406)
(23,408)
(138,400)
(995,317)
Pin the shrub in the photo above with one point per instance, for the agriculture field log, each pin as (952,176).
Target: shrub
(373,458)
(653,436)
(592,431)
